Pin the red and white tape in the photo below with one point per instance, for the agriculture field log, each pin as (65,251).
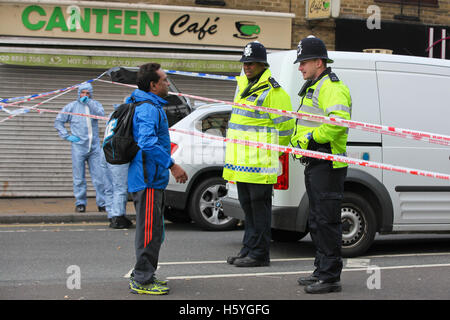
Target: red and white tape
(374,128)
(319,155)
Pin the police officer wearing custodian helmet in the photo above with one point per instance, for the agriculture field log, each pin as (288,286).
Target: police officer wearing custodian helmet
(322,94)
(255,170)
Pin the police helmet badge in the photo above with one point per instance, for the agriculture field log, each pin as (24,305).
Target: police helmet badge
(299,48)
(248,50)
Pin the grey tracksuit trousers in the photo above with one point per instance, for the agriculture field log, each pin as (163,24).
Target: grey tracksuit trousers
(149,204)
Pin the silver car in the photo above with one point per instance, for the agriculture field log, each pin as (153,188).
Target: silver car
(200,199)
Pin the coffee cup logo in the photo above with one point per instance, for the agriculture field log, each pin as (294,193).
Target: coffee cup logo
(247,30)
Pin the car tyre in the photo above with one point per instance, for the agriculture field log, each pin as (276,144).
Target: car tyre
(205,206)
(359,225)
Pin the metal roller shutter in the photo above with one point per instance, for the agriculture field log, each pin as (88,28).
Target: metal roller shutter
(34,161)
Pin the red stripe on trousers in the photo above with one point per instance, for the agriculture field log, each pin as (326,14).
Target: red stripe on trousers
(148,216)
(151,223)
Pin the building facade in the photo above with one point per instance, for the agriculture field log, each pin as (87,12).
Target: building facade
(49,44)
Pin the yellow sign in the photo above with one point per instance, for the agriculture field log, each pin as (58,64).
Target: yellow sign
(318,9)
(145,23)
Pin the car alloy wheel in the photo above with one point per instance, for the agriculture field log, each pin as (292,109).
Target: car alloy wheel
(206,205)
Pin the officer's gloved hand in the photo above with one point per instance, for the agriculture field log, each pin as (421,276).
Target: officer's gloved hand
(313,145)
(72,138)
(84,99)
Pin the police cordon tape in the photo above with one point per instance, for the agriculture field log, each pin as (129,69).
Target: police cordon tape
(318,155)
(279,148)
(35,107)
(17,100)
(374,128)
(202,75)
(183,73)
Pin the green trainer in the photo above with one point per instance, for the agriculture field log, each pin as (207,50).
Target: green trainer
(151,288)
(155,280)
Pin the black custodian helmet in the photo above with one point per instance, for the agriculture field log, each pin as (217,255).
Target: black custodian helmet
(254,52)
(312,48)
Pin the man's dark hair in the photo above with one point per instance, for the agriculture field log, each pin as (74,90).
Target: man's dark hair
(146,74)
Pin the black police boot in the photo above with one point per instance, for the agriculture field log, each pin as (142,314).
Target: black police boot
(230,260)
(80,208)
(306,281)
(248,262)
(323,287)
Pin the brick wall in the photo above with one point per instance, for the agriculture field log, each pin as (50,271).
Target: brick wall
(324,29)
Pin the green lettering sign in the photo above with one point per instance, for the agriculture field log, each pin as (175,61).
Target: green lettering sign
(57,20)
(130,22)
(26,17)
(146,21)
(106,62)
(113,21)
(99,21)
(85,22)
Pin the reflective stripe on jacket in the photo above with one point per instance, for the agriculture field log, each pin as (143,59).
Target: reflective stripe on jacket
(326,97)
(250,164)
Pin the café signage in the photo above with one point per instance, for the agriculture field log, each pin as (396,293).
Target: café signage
(146,23)
(318,9)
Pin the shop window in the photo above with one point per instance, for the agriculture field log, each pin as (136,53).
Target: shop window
(425,3)
(211,2)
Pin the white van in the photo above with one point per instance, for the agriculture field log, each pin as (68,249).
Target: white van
(400,91)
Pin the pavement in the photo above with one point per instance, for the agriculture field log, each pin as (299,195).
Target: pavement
(52,210)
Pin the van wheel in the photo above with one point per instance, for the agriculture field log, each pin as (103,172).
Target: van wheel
(287,235)
(358,225)
(205,207)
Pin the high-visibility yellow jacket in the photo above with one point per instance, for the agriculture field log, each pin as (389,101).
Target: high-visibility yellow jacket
(247,163)
(330,97)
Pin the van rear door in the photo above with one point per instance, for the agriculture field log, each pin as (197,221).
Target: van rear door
(416,96)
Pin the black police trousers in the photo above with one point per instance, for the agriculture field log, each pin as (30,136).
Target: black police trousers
(256,201)
(149,204)
(325,189)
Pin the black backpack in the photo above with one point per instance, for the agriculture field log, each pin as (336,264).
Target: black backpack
(118,144)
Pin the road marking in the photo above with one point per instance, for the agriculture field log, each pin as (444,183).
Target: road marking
(261,274)
(68,224)
(357,263)
(174,263)
(361,261)
(128,275)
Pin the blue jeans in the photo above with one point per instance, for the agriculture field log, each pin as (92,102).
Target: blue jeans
(116,188)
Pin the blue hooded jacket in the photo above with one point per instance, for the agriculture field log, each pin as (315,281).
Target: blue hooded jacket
(151,133)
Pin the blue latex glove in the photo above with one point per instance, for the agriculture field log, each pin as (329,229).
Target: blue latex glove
(73,138)
(84,99)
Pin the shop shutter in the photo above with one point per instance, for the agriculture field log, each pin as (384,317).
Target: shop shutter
(34,160)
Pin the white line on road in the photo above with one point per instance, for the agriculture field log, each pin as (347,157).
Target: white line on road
(174,263)
(261,274)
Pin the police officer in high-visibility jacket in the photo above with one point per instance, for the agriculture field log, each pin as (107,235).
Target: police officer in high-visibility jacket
(254,169)
(322,94)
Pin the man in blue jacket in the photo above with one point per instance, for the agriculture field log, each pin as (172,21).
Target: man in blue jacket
(85,145)
(148,175)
